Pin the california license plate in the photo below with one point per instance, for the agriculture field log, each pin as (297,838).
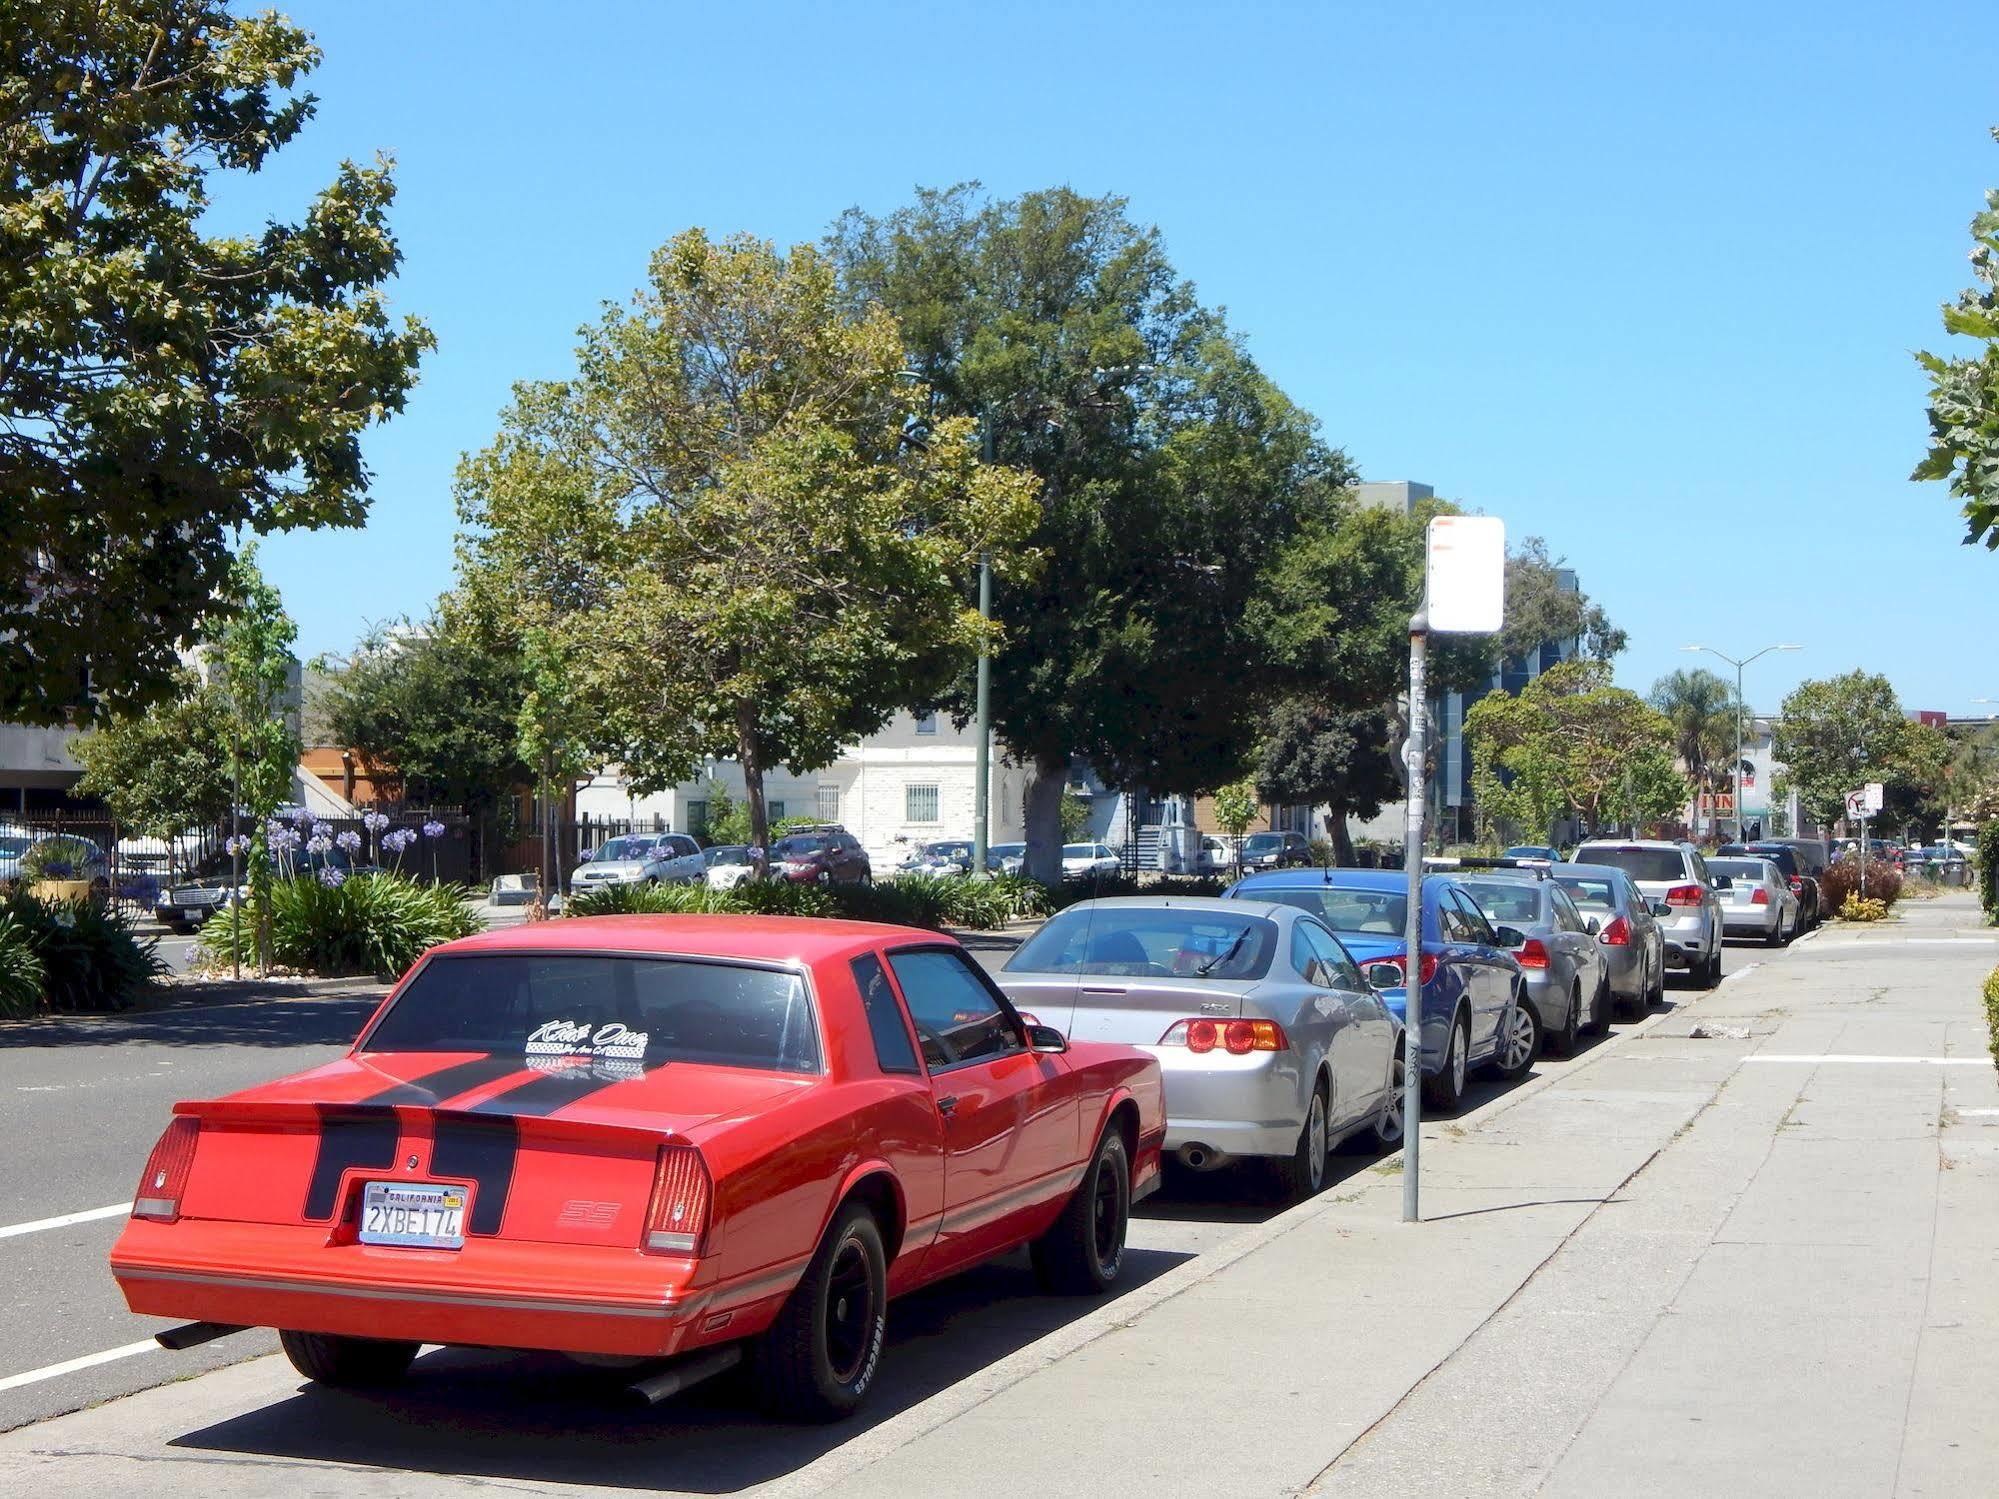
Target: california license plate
(412,1215)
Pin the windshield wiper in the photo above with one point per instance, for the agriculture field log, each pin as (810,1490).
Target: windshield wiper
(1213,963)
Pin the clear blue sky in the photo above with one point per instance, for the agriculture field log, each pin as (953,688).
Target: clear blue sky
(1644,285)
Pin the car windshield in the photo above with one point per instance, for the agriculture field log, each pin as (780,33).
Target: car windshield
(1374,913)
(1737,869)
(1658,864)
(729,853)
(621,849)
(600,1016)
(14,843)
(1506,900)
(1783,858)
(1150,941)
(1258,842)
(1530,851)
(947,850)
(1006,850)
(1588,891)
(798,847)
(1079,850)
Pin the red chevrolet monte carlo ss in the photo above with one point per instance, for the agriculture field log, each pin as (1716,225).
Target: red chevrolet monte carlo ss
(673,1137)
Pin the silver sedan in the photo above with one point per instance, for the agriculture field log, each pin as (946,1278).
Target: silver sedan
(1758,901)
(1272,1044)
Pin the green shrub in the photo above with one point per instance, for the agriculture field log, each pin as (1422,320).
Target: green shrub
(1988,868)
(645,900)
(367,923)
(1992,1014)
(1842,879)
(918,900)
(20,969)
(90,956)
(60,858)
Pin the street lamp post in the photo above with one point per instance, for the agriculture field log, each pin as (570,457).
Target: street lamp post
(1738,665)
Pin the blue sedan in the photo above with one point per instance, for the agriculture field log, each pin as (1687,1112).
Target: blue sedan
(1472,987)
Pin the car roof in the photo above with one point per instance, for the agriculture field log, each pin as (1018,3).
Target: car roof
(1337,878)
(1586,871)
(1522,877)
(1672,843)
(804,939)
(1219,903)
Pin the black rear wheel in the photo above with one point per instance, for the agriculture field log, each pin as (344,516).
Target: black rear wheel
(1562,1039)
(1445,1092)
(1303,1173)
(1521,1041)
(1084,1250)
(347,1363)
(818,1358)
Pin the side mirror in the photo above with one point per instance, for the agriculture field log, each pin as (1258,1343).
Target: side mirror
(1592,926)
(1045,1038)
(1509,936)
(1383,975)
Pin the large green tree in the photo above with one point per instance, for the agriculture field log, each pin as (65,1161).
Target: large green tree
(1172,472)
(435,709)
(164,770)
(252,663)
(1702,709)
(737,530)
(1964,391)
(162,388)
(1327,757)
(1836,734)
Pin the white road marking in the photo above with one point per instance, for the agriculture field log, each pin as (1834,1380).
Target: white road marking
(70,1366)
(90,1215)
(1976,1113)
(1815,1059)
(1946,941)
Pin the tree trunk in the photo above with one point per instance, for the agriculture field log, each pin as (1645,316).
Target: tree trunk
(750,757)
(1336,827)
(1043,815)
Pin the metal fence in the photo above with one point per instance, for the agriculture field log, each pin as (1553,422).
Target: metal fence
(130,871)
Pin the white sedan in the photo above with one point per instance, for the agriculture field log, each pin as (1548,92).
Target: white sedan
(1082,861)
(728,865)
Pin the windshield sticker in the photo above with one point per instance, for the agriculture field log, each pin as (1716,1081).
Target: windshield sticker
(572,1040)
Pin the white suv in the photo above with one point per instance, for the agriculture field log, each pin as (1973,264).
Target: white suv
(1674,879)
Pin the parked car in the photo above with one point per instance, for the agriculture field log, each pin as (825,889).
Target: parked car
(1217,858)
(941,856)
(191,902)
(1627,931)
(1757,900)
(1472,987)
(825,855)
(1531,851)
(1812,854)
(1568,981)
(1275,851)
(726,865)
(1006,858)
(1785,857)
(22,848)
(1273,1046)
(1082,861)
(640,859)
(1674,878)
(650,1137)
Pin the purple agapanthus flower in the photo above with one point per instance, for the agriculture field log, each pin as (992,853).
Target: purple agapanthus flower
(399,840)
(318,843)
(349,840)
(302,817)
(236,844)
(332,878)
(284,840)
(374,822)
(433,829)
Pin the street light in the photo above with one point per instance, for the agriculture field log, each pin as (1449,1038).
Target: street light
(1738,665)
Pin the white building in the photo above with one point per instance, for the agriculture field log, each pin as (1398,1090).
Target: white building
(911,782)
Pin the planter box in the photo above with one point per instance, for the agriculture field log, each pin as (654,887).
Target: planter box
(60,890)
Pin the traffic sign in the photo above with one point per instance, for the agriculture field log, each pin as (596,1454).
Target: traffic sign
(1864,803)
(1467,582)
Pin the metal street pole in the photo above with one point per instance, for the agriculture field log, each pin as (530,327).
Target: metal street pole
(235,846)
(1738,665)
(982,766)
(1412,960)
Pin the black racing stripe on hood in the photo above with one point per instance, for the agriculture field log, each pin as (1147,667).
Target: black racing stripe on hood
(347,1141)
(551,1092)
(434,1087)
(483,1152)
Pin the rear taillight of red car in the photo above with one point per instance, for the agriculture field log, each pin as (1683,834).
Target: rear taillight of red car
(1685,895)
(164,1180)
(1617,934)
(681,1197)
(1533,953)
(1237,1037)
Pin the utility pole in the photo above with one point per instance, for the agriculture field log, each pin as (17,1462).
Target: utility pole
(1412,864)
(982,715)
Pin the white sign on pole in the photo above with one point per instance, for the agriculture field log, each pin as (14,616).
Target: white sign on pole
(1866,802)
(1467,556)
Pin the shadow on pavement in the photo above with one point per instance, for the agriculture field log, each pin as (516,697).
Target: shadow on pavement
(540,1418)
(262,1022)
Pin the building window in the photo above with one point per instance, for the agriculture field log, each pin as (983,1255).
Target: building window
(919,804)
(697,818)
(829,802)
(774,812)
(926,723)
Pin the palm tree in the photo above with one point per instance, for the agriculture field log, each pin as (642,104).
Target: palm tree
(1701,706)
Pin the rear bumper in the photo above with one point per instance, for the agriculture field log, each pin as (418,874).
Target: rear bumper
(1757,921)
(1248,1105)
(568,1298)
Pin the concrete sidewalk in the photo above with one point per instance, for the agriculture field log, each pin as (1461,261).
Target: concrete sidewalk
(1685,1267)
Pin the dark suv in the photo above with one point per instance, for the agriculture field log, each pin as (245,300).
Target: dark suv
(821,855)
(1275,851)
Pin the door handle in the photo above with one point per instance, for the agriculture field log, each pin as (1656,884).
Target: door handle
(946,1106)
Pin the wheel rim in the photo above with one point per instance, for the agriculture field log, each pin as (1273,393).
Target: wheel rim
(1457,1059)
(1106,1236)
(1390,1128)
(850,1311)
(1315,1134)
(1520,1039)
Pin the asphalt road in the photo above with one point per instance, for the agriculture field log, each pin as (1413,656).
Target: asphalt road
(83,1100)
